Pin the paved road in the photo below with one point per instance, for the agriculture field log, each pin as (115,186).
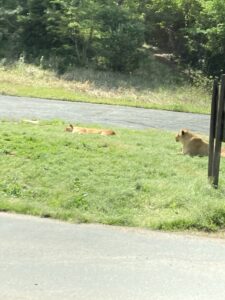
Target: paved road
(109,115)
(50,260)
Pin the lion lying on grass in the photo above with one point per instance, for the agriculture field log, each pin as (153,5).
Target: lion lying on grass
(193,144)
(83,130)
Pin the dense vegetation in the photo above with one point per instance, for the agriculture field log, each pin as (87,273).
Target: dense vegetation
(110,35)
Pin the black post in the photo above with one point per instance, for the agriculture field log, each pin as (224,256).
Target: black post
(212,131)
(219,134)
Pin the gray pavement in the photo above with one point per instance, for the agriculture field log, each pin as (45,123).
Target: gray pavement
(108,115)
(51,260)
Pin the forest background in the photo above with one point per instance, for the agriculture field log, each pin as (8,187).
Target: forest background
(117,35)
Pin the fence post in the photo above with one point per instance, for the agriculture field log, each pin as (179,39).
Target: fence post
(212,131)
(218,134)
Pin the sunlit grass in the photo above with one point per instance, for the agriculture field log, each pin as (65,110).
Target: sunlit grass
(136,178)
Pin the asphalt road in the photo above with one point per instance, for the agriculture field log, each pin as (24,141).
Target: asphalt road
(51,260)
(108,115)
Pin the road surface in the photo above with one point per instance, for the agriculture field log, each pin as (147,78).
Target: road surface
(44,259)
(108,115)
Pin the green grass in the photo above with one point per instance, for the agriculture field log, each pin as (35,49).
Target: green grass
(158,89)
(136,178)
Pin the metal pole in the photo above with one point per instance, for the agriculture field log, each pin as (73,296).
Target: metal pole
(219,133)
(212,131)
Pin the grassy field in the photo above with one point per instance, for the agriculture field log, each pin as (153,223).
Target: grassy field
(161,88)
(136,178)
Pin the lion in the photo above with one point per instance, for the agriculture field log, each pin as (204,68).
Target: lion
(193,144)
(83,130)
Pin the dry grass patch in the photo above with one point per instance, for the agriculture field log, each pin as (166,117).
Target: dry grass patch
(104,87)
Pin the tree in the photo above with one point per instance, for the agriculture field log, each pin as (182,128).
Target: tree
(9,31)
(122,34)
(106,34)
(213,25)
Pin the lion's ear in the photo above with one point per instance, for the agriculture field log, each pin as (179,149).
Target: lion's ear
(183,131)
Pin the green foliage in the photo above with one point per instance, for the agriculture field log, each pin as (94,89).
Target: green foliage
(193,30)
(9,33)
(214,29)
(65,32)
(122,36)
(109,34)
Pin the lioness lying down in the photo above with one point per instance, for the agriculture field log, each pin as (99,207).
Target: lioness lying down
(193,144)
(83,130)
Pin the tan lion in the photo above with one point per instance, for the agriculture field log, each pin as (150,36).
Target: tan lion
(193,144)
(83,130)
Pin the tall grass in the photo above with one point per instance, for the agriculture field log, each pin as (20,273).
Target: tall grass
(154,86)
